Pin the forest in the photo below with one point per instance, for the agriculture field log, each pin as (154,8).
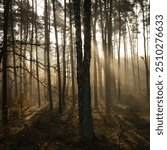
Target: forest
(74,75)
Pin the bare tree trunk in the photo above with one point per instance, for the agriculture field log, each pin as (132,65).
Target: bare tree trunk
(125,61)
(79,62)
(37,69)
(72,54)
(31,51)
(106,61)
(58,61)
(83,70)
(21,39)
(138,69)
(4,64)
(64,60)
(101,92)
(26,31)
(100,69)
(110,76)
(103,45)
(14,56)
(110,65)
(47,50)
(119,48)
(96,103)
(132,58)
(145,52)
(137,50)
(88,132)
(95,57)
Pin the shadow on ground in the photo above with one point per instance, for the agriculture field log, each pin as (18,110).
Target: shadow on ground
(126,127)
(48,130)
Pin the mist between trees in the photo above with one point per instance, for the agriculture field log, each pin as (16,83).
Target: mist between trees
(81,55)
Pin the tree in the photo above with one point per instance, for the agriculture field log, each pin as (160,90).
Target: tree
(47,51)
(119,49)
(64,60)
(31,51)
(5,61)
(72,53)
(145,49)
(95,56)
(88,133)
(37,63)
(58,57)
(14,51)
(83,70)
(21,45)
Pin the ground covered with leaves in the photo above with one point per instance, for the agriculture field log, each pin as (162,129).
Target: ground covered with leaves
(125,127)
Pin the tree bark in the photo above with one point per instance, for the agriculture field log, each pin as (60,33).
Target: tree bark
(83,70)
(88,132)
(95,57)
(64,60)
(72,55)
(47,50)
(79,61)
(145,52)
(58,57)
(37,69)
(31,51)
(119,49)
(21,39)
(4,64)
(14,56)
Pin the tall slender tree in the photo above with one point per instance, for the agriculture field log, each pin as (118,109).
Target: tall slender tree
(4,63)
(58,57)
(145,48)
(95,56)
(47,53)
(83,70)
(14,51)
(72,53)
(119,49)
(37,63)
(64,56)
(88,132)
(21,45)
(31,51)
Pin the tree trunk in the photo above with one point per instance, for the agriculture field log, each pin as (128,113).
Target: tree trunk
(4,65)
(106,61)
(47,50)
(95,57)
(58,61)
(137,51)
(119,49)
(83,70)
(31,51)
(72,56)
(88,132)
(79,61)
(103,93)
(26,31)
(145,53)
(37,69)
(21,39)
(14,56)
(64,60)
(132,59)
(125,61)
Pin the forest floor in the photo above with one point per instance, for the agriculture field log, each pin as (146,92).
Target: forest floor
(125,127)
